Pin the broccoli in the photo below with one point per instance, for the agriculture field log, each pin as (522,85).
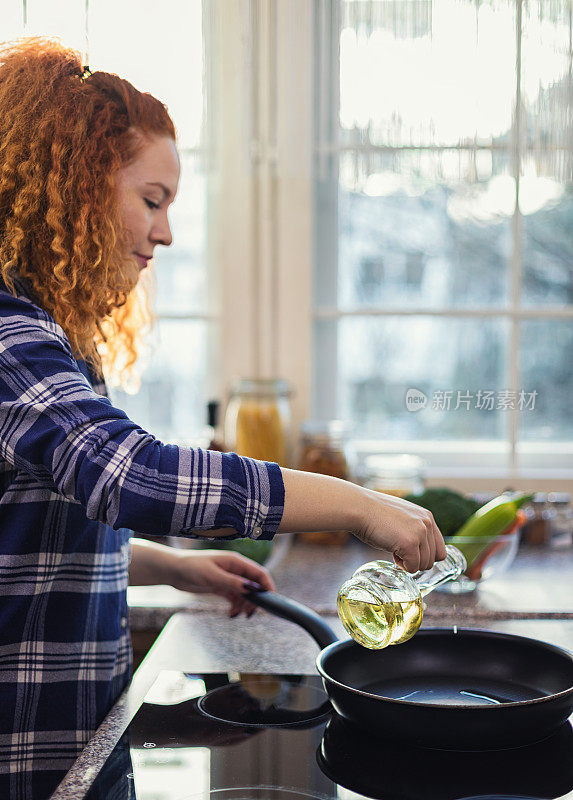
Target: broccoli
(450,509)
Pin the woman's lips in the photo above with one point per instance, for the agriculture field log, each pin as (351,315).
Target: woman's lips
(142,260)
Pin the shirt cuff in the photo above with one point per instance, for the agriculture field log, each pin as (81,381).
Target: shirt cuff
(255,512)
(266,528)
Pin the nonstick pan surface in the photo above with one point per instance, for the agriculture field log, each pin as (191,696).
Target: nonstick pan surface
(467,690)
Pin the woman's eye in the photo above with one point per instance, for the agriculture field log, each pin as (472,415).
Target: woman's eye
(151,204)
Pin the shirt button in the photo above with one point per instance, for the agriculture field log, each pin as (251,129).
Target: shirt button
(123,622)
(257,531)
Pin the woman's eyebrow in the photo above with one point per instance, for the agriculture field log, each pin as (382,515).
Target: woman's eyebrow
(166,191)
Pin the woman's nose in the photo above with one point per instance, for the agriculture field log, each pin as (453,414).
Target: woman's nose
(161,233)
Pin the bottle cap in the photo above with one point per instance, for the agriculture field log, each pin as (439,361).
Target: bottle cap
(213,413)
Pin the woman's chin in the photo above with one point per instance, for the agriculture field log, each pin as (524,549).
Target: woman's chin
(130,275)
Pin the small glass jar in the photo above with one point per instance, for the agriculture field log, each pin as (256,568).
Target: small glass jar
(398,475)
(322,451)
(561,520)
(258,419)
(322,448)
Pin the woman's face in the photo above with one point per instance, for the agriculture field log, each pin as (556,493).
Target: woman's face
(146,188)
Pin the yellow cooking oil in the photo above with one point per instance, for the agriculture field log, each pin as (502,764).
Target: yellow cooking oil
(382,604)
(378,624)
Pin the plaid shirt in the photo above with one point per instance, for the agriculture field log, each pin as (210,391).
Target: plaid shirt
(76,477)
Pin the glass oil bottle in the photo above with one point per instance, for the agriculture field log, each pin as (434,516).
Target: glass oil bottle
(381,604)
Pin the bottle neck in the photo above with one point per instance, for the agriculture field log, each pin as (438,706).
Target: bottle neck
(449,569)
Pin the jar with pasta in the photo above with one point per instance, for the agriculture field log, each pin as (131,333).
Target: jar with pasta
(258,419)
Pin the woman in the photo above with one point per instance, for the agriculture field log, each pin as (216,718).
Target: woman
(88,170)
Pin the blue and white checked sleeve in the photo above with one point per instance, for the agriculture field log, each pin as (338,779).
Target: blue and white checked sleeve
(55,427)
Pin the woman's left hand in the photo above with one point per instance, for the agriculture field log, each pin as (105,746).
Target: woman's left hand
(224,573)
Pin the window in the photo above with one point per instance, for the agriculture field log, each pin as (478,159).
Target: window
(443,208)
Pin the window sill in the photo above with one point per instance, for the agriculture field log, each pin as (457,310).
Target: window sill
(483,466)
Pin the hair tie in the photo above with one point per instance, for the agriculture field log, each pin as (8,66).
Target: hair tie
(85,73)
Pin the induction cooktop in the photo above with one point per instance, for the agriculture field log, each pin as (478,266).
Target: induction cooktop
(248,736)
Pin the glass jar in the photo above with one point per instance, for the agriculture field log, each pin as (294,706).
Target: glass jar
(258,419)
(381,604)
(562,519)
(398,475)
(537,530)
(322,451)
(322,448)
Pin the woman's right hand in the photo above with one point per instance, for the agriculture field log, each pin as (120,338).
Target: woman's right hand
(406,530)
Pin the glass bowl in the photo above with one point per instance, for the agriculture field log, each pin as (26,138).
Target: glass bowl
(487,556)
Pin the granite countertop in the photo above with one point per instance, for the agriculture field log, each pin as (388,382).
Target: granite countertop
(537,585)
(533,598)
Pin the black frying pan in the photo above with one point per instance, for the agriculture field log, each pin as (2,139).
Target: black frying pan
(466,690)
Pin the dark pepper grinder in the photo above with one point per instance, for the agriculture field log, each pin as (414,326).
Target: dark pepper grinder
(212,422)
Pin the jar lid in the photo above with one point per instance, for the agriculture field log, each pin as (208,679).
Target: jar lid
(559,498)
(394,465)
(262,387)
(335,428)
(539,498)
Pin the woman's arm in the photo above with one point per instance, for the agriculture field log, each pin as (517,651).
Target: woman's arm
(321,503)
(222,573)
(151,563)
(74,442)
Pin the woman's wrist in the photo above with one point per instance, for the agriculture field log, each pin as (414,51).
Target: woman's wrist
(153,564)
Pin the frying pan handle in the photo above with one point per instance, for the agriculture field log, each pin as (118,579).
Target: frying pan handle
(295,612)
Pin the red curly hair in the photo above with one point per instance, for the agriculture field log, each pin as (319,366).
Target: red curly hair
(64,134)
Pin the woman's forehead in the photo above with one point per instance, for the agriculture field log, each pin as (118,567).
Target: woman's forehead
(156,163)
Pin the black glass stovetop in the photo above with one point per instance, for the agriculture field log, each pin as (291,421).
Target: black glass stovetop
(231,736)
